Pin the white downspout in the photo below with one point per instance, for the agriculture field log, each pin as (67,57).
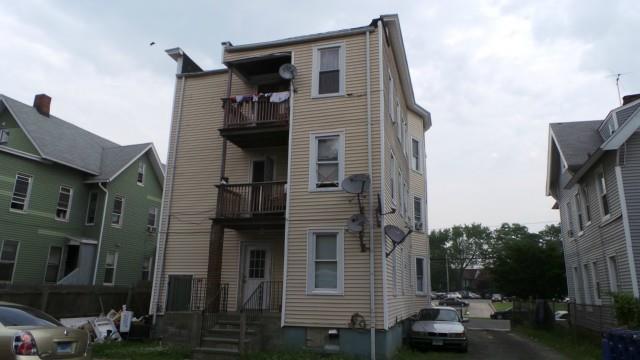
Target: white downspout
(372,280)
(104,215)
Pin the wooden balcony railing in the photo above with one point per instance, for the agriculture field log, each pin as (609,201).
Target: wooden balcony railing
(254,113)
(252,199)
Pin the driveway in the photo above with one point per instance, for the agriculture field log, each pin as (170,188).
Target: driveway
(486,344)
(480,309)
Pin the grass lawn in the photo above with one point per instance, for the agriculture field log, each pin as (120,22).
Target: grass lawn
(135,350)
(564,340)
(501,306)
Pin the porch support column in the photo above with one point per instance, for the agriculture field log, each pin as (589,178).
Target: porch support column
(214,272)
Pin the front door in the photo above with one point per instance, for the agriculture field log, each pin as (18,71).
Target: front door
(261,171)
(257,268)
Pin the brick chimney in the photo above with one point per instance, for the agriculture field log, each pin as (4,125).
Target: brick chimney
(630,98)
(42,103)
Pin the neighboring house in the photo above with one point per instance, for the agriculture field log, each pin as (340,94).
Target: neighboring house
(254,204)
(594,175)
(477,279)
(69,197)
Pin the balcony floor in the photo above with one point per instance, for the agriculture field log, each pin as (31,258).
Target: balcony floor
(266,222)
(276,134)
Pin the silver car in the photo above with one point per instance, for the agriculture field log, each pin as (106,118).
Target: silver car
(440,326)
(27,333)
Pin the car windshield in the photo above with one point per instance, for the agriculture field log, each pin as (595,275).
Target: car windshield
(23,316)
(438,315)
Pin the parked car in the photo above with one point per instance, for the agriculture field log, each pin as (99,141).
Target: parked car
(438,295)
(502,315)
(439,327)
(473,295)
(562,315)
(496,298)
(454,295)
(30,333)
(453,302)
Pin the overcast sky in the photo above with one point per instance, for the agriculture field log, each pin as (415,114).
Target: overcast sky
(492,73)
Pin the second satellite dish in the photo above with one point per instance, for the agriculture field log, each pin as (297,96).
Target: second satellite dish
(356,223)
(395,234)
(356,184)
(287,71)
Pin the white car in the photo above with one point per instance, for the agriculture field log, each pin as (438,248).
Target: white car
(562,315)
(454,295)
(440,326)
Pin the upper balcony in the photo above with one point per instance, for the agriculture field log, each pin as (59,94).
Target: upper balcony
(256,120)
(252,205)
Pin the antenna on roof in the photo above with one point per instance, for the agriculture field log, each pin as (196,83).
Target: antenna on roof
(618,75)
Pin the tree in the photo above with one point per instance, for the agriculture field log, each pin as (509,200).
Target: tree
(461,246)
(527,264)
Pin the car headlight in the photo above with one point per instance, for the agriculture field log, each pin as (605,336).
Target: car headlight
(457,335)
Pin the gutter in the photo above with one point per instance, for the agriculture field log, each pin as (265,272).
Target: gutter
(383,244)
(372,280)
(104,214)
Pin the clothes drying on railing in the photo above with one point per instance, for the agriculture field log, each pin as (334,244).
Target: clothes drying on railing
(275,97)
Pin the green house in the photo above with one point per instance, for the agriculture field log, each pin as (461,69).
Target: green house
(75,208)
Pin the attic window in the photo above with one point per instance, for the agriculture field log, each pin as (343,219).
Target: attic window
(612,127)
(140,178)
(4,136)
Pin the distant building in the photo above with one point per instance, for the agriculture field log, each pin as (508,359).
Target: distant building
(75,208)
(594,175)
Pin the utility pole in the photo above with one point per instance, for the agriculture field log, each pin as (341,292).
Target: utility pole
(446,266)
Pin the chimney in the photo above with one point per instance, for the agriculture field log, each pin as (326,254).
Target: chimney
(42,103)
(630,98)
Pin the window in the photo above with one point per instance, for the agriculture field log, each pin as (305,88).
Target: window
(612,127)
(587,205)
(578,200)
(327,162)
(110,264)
(595,282)
(393,180)
(91,208)
(394,265)
(420,277)
(576,284)
(64,203)
(585,284)
(570,222)
(53,265)
(601,185)
(404,262)
(146,268)
(152,221)
(405,201)
(416,155)
(4,136)
(399,123)
(403,140)
(401,193)
(418,218)
(8,260)
(118,209)
(179,292)
(329,71)
(391,98)
(140,178)
(612,265)
(325,272)
(21,192)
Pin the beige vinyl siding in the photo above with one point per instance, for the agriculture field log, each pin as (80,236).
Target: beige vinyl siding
(197,172)
(330,209)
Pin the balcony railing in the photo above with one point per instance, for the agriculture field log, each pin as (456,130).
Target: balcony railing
(252,199)
(261,112)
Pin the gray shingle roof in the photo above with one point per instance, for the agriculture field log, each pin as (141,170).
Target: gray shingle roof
(577,141)
(65,143)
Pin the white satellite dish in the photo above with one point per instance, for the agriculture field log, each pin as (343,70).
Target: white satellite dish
(356,184)
(356,223)
(396,235)
(288,71)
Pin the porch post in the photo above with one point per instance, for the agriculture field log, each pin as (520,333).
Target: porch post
(214,271)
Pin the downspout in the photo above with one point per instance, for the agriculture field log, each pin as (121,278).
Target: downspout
(372,280)
(627,228)
(104,215)
(167,191)
(383,244)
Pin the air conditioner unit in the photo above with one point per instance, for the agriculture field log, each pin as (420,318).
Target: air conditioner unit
(151,229)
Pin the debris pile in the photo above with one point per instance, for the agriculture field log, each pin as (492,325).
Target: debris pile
(111,327)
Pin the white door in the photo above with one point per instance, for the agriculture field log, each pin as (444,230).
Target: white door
(257,268)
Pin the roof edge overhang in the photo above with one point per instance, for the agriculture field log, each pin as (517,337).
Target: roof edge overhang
(157,166)
(551,164)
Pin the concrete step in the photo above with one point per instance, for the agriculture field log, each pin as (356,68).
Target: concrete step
(206,353)
(221,342)
(228,332)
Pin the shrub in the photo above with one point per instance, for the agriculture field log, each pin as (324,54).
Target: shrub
(627,310)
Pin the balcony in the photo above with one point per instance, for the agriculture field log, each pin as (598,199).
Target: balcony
(255,123)
(252,205)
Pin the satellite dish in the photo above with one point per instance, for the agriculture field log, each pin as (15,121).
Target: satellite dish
(356,223)
(287,71)
(395,234)
(356,184)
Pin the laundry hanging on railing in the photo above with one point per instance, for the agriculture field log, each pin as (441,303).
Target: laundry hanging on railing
(276,97)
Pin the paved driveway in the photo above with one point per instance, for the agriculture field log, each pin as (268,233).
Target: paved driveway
(480,309)
(485,344)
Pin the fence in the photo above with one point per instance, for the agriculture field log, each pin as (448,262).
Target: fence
(65,301)
(596,318)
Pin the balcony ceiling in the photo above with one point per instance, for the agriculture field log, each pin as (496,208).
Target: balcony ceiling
(260,70)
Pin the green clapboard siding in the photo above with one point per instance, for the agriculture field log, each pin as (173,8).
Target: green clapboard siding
(17,138)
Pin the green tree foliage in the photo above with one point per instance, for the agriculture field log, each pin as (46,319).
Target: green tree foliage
(627,310)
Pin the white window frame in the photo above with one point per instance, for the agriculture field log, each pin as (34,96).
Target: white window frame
(595,283)
(394,269)
(399,124)
(413,211)
(602,191)
(584,190)
(121,219)
(4,136)
(571,231)
(311,261)
(149,269)
(391,100)
(576,285)
(315,78)
(14,262)
(420,155)
(611,125)
(155,216)
(424,275)
(26,203)
(68,209)
(588,298)
(313,160)
(46,265)
(394,179)
(86,215)
(115,267)
(612,269)
(577,199)
(143,172)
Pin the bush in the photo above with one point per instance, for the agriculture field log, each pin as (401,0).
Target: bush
(627,310)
